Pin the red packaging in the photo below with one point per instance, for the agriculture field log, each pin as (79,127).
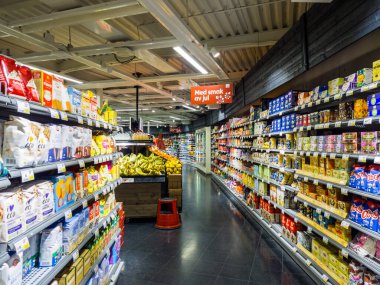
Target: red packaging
(27,77)
(92,212)
(97,209)
(9,77)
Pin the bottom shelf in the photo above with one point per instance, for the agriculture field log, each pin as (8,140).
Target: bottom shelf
(275,231)
(115,272)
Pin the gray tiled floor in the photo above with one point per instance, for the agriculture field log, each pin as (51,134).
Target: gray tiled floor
(216,245)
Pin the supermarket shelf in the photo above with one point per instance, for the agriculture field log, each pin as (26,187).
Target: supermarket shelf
(9,105)
(239,146)
(11,245)
(361,157)
(240,125)
(4,182)
(16,173)
(275,134)
(44,275)
(134,143)
(4,257)
(143,179)
(99,259)
(281,151)
(274,230)
(246,137)
(369,232)
(115,272)
(335,213)
(366,261)
(221,159)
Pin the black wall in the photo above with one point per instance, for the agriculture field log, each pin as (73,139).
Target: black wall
(321,33)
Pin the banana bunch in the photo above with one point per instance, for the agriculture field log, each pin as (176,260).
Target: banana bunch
(173,166)
(140,165)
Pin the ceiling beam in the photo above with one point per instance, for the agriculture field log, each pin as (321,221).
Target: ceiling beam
(163,11)
(103,11)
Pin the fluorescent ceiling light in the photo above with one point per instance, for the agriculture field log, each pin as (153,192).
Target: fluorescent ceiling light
(215,53)
(154,121)
(130,110)
(175,118)
(190,59)
(174,99)
(190,108)
(68,78)
(153,111)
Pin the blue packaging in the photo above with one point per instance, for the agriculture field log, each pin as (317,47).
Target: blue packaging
(374,111)
(282,103)
(373,99)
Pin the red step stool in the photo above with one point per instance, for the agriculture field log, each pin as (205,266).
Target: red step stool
(169,217)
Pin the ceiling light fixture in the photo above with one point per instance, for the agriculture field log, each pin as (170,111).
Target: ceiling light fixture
(215,53)
(67,78)
(174,99)
(190,108)
(191,60)
(175,118)
(153,111)
(154,121)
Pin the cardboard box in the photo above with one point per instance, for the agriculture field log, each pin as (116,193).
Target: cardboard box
(174,181)
(44,84)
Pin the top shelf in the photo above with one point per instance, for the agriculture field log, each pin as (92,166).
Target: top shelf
(13,106)
(134,142)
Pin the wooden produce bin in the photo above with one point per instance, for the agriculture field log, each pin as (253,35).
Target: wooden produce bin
(175,188)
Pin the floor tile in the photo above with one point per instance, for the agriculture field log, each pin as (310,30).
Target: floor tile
(236,272)
(229,281)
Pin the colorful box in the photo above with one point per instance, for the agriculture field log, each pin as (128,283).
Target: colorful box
(44,84)
(63,190)
(364,76)
(376,70)
(335,85)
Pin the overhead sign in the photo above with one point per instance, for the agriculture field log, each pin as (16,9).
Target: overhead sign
(212,94)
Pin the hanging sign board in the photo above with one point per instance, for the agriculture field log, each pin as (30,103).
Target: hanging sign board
(212,94)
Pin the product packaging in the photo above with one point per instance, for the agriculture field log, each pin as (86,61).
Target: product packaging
(44,83)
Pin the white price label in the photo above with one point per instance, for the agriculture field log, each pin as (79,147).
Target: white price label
(61,167)
(344,253)
(332,155)
(364,88)
(295,152)
(54,114)
(302,153)
(295,220)
(282,169)
(68,214)
(282,152)
(323,154)
(23,107)
(315,182)
(310,104)
(367,121)
(283,211)
(75,255)
(325,240)
(105,224)
(97,233)
(89,122)
(325,278)
(274,205)
(318,102)
(295,176)
(96,196)
(345,156)
(295,199)
(22,245)
(326,100)
(351,123)
(84,204)
(27,175)
(326,126)
(308,153)
(104,190)
(337,96)
(376,160)
(373,85)
(64,116)
(97,124)
(96,160)
(362,158)
(303,106)
(306,204)
(345,224)
(318,126)
(329,186)
(308,262)
(296,108)
(294,249)
(349,93)
(338,124)
(278,234)
(318,210)
(96,269)
(306,179)
(80,120)
(327,215)
(344,191)
(308,128)
(282,188)
(315,154)
(105,126)
(301,129)
(81,163)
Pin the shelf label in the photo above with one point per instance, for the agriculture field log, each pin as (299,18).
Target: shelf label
(351,123)
(349,93)
(310,104)
(23,107)
(364,88)
(278,234)
(89,122)
(27,175)
(295,220)
(308,153)
(64,116)
(306,179)
(81,163)
(337,96)
(308,262)
(96,160)
(54,113)
(345,224)
(295,199)
(325,278)
(282,169)
(309,230)
(105,126)
(303,106)
(105,224)
(61,167)
(68,214)
(344,253)
(97,124)
(326,100)
(308,128)
(318,210)
(296,108)
(362,158)
(294,249)
(376,160)
(323,154)
(315,182)
(318,102)
(327,215)
(338,124)
(345,156)
(282,152)
(344,191)
(367,121)
(80,120)
(84,204)
(96,196)
(97,233)
(22,245)
(329,186)
(325,240)
(75,255)
(282,188)
(332,155)
(295,176)
(283,211)
(326,125)
(315,154)
(301,129)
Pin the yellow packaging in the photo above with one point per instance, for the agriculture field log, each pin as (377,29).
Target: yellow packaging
(86,104)
(324,199)
(336,173)
(333,202)
(70,279)
(321,190)
(78,265)
(314,161)
(61,280)
(315,248)
(93,105)
(343,267)
(333,261)
(322,171)
(324,254)
(376,70)
(329,172)
(344,206)
(315,170)
(86,261)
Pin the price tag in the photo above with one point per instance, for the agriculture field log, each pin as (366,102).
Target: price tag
(367,121)
(63,116)
(104,190)
(308,153)
(308,262)
(61,167)
(278,234)
(344,191)
(309,230)
(351,123)
(295,199)
(325,278)
(294,249)
(295,153)
(326,126)
(97,233)
(302,153)
(295,176)
(22,245)
(326,100)
(80,120)
(96,160)
(282,169)
(54,114)
(318,210)
(362,158)
(81,163)
(274,205)
(345,156)
(105,224)
(327,215)
(308,128)
(97,124)
(376,160)
(337,96)
(306,179)
(306,204)
(315,154)
(96,196)
(295,220)
(283,211)
(27,175)
(296,108)
(23,107)
(345,224)
(318,126)
(75,255)
(282,188)
(310,104)
(89,122)
(105,126)
(329,186)
(349,93)
(325,240)
(344,253)
(323,155)
(332,155)
(318,102)
(282,152)
(338,124)
(364,88)
(84,204)
(68,214)
(96,269)
(315,182)
(301,129)
(303,106)
(268,150)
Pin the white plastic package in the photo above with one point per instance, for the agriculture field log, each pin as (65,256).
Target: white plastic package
(51,246)
(11,214)
(55,143)
(11,271)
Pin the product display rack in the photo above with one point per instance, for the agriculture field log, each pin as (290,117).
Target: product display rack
(44,275)
(115,272)
(351,125)
(203,149)
(122,143)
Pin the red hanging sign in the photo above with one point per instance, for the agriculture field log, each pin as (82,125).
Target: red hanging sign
(212,94)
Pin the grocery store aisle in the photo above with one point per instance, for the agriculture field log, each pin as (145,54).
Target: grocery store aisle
(216,245)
